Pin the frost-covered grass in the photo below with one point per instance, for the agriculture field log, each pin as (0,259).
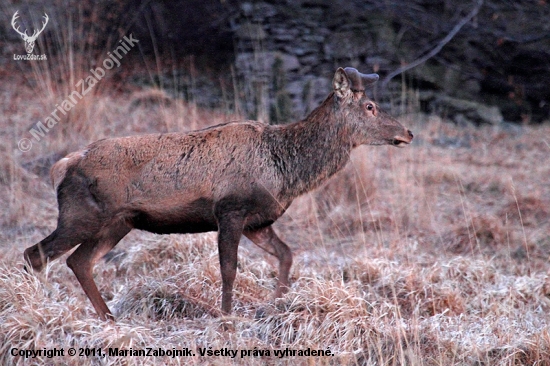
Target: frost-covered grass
(436,254)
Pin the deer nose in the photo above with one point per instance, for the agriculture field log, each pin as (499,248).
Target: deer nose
(410,134)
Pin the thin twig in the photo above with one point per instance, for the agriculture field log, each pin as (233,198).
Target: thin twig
(438,48)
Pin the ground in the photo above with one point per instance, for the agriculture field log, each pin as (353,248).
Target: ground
(435,254)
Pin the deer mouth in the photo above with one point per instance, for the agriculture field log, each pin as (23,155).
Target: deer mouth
(400,141)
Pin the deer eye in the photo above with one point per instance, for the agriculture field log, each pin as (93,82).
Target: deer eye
(370,107)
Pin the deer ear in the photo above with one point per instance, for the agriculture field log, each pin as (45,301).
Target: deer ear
(341,83)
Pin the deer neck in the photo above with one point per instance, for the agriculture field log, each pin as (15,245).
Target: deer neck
(312,150)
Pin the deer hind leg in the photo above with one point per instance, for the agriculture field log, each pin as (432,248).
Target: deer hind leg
(79,220)
(61,240)
(266,239)
(84,258)
(50,248)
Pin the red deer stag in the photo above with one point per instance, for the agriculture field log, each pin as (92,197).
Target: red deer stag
(236,178)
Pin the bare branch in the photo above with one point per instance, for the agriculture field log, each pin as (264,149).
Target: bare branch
(438,48)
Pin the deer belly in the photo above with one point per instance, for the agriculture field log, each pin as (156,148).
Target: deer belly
(194,217)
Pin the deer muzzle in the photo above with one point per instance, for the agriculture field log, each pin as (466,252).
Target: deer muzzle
(401,141)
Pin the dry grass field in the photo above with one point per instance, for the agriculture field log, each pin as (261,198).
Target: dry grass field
(436,254)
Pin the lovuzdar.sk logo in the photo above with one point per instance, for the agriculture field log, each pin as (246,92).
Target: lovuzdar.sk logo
(29,40)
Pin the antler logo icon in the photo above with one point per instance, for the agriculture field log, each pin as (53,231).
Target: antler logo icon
(29,40)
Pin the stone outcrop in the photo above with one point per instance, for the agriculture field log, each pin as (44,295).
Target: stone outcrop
(473,79)
(273,59)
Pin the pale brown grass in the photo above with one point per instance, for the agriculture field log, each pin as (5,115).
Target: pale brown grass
(436,254)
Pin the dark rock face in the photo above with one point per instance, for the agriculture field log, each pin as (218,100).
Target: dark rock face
(277,56)
(463,111)
(497,68)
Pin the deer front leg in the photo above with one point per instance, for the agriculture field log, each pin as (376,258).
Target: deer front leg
(230,228)
(266,239)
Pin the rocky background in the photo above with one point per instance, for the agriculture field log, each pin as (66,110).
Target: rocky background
(273,60)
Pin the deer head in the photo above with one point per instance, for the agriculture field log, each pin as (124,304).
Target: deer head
(371,126)
(29,40)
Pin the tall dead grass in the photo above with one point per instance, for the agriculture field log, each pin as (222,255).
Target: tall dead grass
(432,255)
(436,254)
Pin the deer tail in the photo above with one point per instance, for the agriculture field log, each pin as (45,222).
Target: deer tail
(59,169)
